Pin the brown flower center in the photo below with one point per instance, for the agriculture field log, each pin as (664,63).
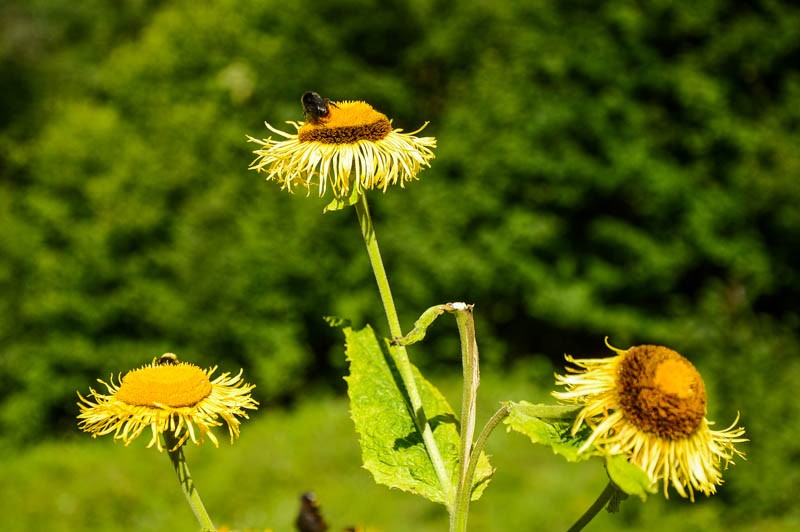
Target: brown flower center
(171,385)
(346,123)
(661,392)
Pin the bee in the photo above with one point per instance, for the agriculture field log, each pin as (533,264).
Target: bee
(315,107)
(168,359)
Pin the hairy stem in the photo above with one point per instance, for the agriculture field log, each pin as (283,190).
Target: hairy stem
(178,460)
(480,443)
(471,372)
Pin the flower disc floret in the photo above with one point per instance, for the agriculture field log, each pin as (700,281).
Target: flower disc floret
(661,392)
(181,385)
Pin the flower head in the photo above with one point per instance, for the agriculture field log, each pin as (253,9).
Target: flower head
(167,395)
(649,403)
(351,148)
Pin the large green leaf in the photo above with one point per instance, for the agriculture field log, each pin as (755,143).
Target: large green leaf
(392,447)
(548,425)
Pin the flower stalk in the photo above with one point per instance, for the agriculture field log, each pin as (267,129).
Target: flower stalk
(398,352)
(600,503)
(175,452)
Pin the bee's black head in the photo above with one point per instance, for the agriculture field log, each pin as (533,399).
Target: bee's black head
(311,98)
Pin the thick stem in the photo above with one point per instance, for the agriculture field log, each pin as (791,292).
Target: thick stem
(399,353)
(471,372)
(593,510)
(175,452)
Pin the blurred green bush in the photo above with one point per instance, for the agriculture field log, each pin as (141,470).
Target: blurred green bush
(617,169)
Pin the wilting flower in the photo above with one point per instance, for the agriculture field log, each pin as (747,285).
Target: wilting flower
(352,148)
(649,403)
(167,395)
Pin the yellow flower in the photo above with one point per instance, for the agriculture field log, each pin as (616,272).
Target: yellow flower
(351,149)
(649,403)
(167,395)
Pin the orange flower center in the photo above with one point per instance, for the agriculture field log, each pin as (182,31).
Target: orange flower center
(347,123)
(661,392)
(170,385)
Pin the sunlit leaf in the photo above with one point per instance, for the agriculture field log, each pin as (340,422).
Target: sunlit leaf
(340,203)
(392,448)
(551,425)
(629,477)
(548,425)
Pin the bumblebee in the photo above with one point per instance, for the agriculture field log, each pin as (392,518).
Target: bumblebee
(168,359)
(315,107)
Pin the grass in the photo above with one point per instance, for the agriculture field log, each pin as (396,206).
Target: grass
(77,483)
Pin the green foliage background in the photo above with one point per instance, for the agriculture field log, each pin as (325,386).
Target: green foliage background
(619,168)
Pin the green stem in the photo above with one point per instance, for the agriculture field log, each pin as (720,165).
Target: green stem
(593,510)
(465,495)
(399,353)
(187,484)
(480,443)
(469,361)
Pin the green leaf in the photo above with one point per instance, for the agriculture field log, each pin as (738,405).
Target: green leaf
(420,329)
(549,425)
(338,204)
(391,446)
(628,477)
